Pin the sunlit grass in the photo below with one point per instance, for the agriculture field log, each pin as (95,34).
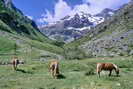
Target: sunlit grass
(35,75)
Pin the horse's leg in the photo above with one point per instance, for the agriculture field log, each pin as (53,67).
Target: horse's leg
(110,72)
(58,70)
(55,73)
(98,71)
(14,67)
(52,73)
(99,74)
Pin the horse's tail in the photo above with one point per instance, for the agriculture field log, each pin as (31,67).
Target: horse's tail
(98,67)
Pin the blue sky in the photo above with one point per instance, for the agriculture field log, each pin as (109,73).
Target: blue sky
(48,11)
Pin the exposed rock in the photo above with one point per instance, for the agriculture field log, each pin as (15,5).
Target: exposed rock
(74,27)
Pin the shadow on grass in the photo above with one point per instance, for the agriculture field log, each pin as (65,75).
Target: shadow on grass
(23,71)
(114,76)
(76,70)
(61,76)
(109,77)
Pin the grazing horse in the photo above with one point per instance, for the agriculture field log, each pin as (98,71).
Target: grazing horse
(15,62)
(107,67)
(54,68)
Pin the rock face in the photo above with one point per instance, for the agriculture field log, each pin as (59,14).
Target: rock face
(73,27)
(113,37)
(8,3)
(111,45)
(78,21)
(106,13)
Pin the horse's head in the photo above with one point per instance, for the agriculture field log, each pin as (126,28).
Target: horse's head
(117,71)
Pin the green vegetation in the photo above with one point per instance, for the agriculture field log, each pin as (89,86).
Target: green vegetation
(46,46)
(78,74)
(15,28)
(20,36)
(110,38)
(6,45)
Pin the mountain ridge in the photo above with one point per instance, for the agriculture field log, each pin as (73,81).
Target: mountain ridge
(20,33)
(75,26)
(110,38)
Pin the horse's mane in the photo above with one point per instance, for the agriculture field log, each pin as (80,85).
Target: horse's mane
(116,67)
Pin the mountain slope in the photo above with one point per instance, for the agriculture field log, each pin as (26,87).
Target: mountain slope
(114,37)
(72,27)
(17,29)
(15,19)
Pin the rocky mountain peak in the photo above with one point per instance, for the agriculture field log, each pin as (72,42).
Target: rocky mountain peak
(106,13)
(74,26)
(8,3)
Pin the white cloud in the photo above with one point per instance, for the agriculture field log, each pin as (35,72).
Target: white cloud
(101,4)
(30,17)
(46,17)
(95,6)
(61,10)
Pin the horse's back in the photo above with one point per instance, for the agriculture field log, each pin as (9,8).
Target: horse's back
(106,66)
(53,63)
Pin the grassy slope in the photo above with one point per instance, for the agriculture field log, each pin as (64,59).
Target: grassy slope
(24,33)
(8,41)
(20,24)
(78,75)
(120,23)
(6,45)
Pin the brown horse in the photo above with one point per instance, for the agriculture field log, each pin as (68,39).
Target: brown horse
(54,68)
(15,62)
(107,67)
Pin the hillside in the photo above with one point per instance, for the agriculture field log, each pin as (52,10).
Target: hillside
(114,37)
(109,42)
(17,29)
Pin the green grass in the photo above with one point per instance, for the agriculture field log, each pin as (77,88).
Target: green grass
(6,45)
(114,27)
(46,46)
(35,75)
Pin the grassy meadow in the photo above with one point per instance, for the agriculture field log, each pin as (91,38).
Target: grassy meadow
(76,74)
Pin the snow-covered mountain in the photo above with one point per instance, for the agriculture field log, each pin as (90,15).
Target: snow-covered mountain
(106,13)
(75,26)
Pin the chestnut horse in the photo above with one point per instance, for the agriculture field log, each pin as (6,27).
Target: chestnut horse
(54,68)
(107,67)
(15,62)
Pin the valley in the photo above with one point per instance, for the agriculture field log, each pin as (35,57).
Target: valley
(78,42)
